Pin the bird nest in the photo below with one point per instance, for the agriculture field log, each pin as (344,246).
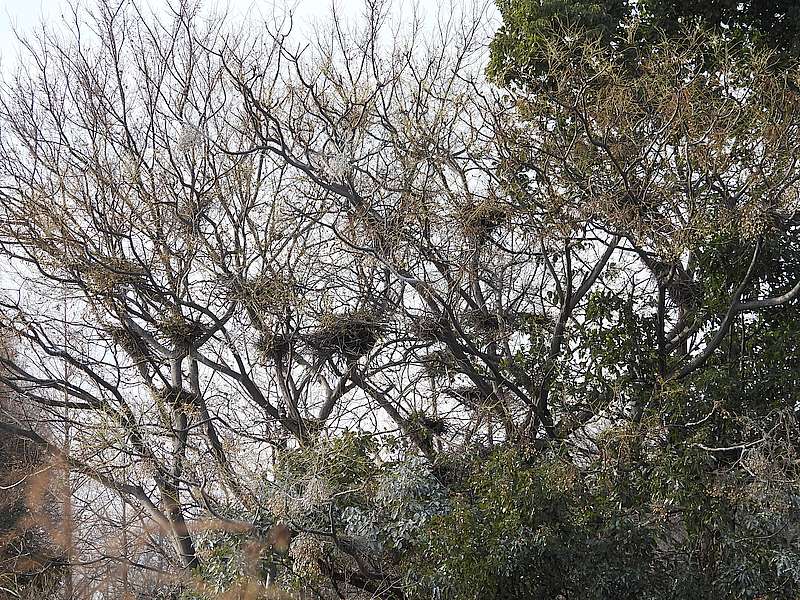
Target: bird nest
(263,293)
(112,274)
(494,325)
(480,218)
(427,423)
(271,346)
(131,344)
(428,328)
(484,322)
(180,330)
(350,335)
(382,232)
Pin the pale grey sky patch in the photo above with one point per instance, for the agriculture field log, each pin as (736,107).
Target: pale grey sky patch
(25,16)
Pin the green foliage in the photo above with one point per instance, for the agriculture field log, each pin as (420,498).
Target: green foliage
(514,50)
(653,519)
(619,339)
(525,527)
(344,461)
(352,494)
(227,560)
(771,23)
(517,50)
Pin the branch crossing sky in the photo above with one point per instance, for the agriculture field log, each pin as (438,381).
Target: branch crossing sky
(25,16)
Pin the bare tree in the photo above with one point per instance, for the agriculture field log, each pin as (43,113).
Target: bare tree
(248,235)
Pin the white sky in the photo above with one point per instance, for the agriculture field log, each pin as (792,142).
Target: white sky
(25,15)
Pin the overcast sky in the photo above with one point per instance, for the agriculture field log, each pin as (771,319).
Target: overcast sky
(24,15)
